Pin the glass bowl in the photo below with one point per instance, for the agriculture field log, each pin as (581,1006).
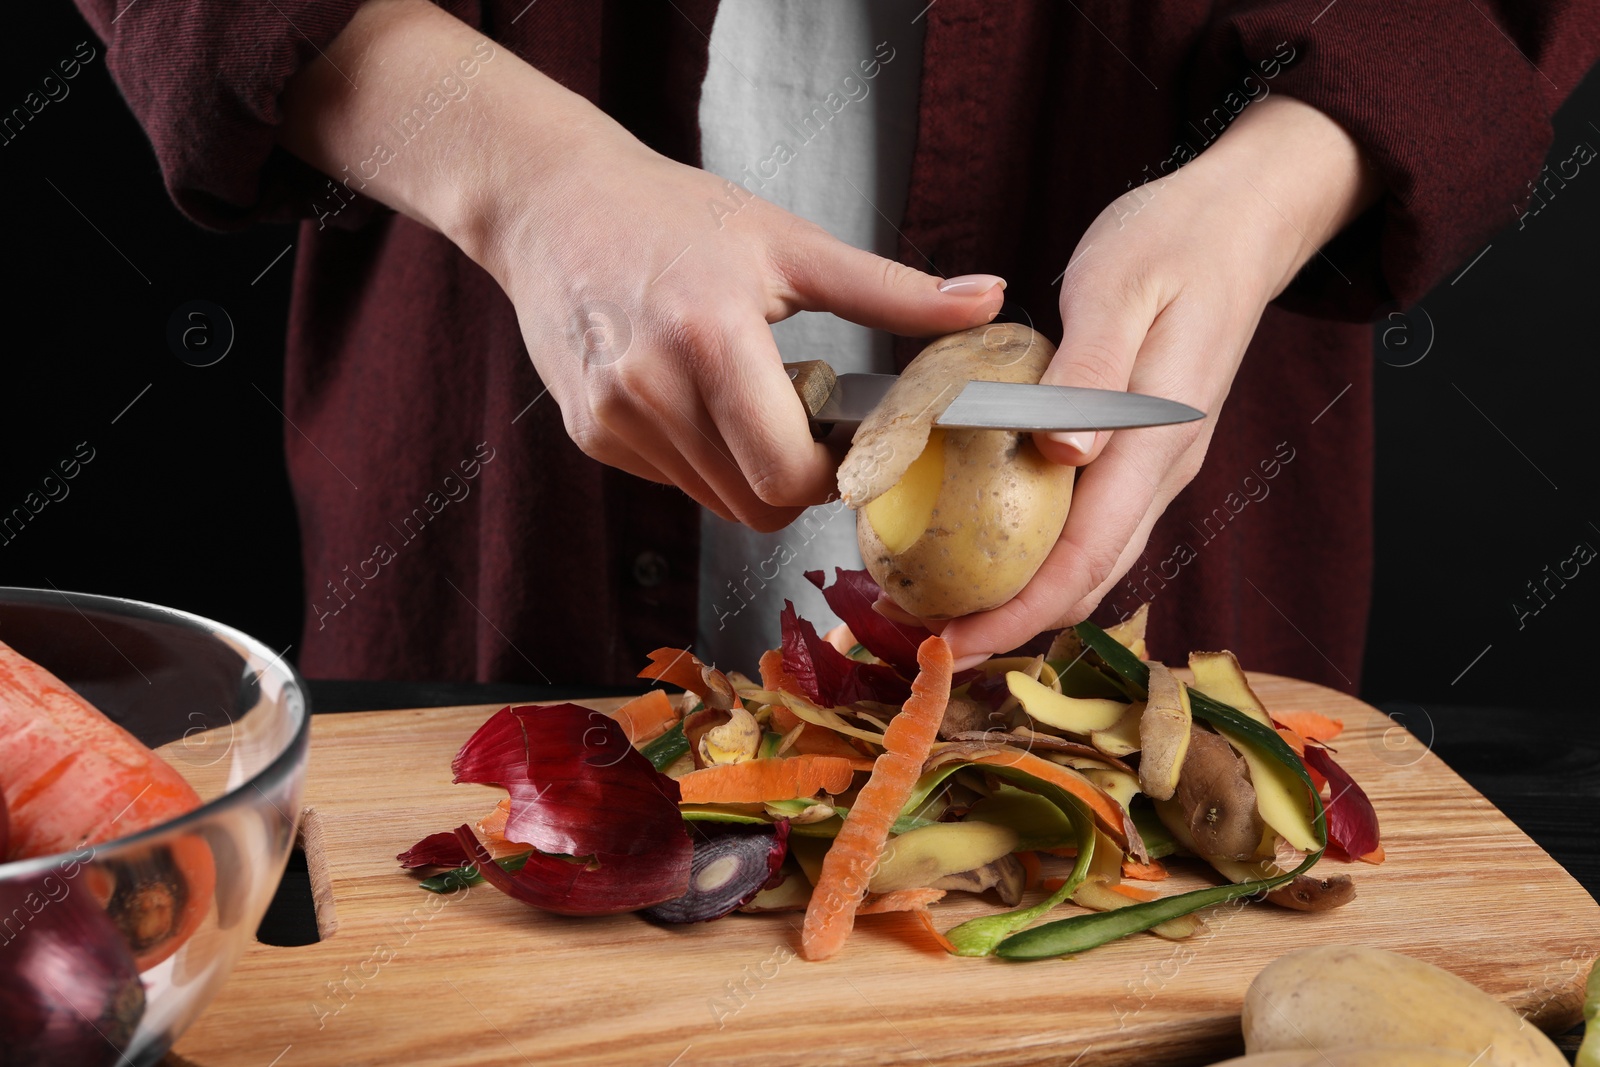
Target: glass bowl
(233,718)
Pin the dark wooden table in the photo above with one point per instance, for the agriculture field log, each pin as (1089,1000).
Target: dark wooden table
(1541,766)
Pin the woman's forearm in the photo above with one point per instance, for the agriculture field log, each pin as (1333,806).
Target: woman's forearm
(644,310)
(419,111)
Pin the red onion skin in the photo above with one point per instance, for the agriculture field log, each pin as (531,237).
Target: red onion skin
(827,676)
(851,596)
(69,990)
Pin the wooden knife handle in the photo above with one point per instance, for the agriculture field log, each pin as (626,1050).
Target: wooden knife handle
(813,382)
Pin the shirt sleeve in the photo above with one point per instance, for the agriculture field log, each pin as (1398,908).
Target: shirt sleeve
(204,79)
(1452,105)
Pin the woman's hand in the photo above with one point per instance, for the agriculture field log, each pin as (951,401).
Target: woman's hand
(1162,296)
(644,288)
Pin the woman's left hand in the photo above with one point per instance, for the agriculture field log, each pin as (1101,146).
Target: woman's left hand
(1162,296)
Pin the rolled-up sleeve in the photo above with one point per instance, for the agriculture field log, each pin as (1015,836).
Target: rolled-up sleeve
(205,80)
(1451,103)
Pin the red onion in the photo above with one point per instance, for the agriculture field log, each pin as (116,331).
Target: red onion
(731,865)
(69,990)
(578,789)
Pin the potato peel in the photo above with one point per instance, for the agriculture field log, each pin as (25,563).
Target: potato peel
(890,439)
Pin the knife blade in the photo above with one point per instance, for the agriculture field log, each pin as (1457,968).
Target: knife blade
(842,401)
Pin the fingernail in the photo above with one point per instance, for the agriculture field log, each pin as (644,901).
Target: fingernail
(970,284)
(1073,440)
(966,663)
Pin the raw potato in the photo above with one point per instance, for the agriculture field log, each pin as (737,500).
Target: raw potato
(954,521)
(1356,1056)
(1337,996)
(894,435)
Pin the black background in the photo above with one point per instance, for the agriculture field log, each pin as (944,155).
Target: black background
(1486,456)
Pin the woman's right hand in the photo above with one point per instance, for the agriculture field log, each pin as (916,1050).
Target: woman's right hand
(644,288)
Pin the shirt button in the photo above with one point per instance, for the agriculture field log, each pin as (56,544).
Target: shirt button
(650,569)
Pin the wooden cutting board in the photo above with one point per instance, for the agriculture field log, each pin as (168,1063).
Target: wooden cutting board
(405,976)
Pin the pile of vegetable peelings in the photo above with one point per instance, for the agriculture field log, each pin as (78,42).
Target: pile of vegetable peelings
(858,776)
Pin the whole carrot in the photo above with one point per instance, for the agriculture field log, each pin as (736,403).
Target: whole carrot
(70,777)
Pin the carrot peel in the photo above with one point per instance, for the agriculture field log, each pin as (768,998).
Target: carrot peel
(1309,724)
(1154,871)
(760,780)
(645,718)
(848,865)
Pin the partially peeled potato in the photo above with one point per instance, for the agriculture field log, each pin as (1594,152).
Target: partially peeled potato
(954,521)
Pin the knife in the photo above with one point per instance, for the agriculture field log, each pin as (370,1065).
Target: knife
(836,402)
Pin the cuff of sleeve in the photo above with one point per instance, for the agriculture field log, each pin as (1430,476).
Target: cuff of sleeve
(1453,129)
(205,81)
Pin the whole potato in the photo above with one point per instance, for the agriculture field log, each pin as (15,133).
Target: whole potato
(1356,1056)
(1340,996)
(955,521)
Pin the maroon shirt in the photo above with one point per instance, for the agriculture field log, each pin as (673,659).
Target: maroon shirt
(452,531)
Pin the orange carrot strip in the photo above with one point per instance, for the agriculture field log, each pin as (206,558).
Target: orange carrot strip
(759,780)
(901,900)
(1154,871)
(492,832)
(1134,892)
(813,740)
(1309,724)
(1376,856)
(676,667)
(926,919)
(494,823)
(1107,812)
(647,717)
(1050,885)
(849,863)
(1030,869)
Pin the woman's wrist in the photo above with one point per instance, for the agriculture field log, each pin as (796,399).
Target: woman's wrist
(1297,176)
